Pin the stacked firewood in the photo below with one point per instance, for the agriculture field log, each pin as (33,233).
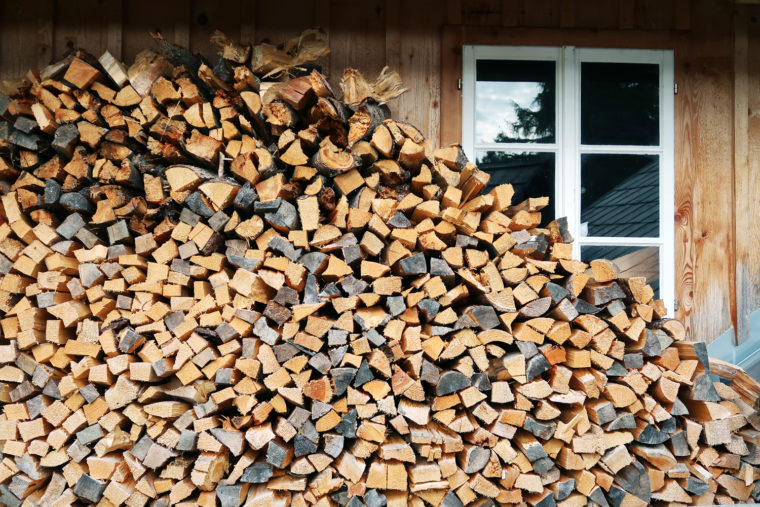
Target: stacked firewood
(222,291)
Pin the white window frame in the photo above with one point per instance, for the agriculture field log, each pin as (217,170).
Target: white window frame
(567,147)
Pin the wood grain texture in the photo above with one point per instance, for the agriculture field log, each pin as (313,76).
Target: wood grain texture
(208,16)
(248,21)
(115,29)
(746,177)
(275,27)
(322,21)
(751,192)
(393,16)
(454,12)
(543,14)
(82,24)
(357,38)
(713,161)
(600,15)
(626,14)
(684,203)
(419,65)
(567,14)
(25,41)
(511,12)
(182,29)
(171,18)
(45,25)
(451,97)
(654,14)
(742,217)
(481,12)
(682,15)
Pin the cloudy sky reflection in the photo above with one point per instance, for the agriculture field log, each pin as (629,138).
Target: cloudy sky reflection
(494,107)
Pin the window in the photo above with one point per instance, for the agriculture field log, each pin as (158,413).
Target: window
(593,130)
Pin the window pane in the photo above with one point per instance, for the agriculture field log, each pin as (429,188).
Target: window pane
(620,195)
(620,103)
(514,101)
(632,261)
(531,175)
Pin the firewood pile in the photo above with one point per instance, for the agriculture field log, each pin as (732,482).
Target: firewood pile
(218,290)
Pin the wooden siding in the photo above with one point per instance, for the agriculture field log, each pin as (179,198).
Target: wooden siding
(717,109)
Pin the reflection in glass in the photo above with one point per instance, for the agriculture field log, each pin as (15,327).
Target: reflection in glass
(620,103)
(620,195)
(531,175)
(632,261)
(514,101)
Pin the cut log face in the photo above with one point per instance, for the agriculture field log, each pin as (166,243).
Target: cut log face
(219,287)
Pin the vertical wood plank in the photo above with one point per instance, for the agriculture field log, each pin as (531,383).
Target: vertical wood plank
(542,14)
(626,14)
(182,25)
(743,217)
(392,20)
(82,25)
(45,27)
(114,29)
(322,15)
(357,38)
(322,21)
(511,12)
(596,15)
(419,65)
(684,187)
(451,98)
(567,14)
(749,198)
(276,25)
(16,34)
(393,33)
(712,47)
(454,12)
(481,12)
(654,14)
(208,16)
(682,14)
(169,17)
(248,22)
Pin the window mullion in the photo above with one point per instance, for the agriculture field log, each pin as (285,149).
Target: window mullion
(620,241)
(667,183)
(516,147)
(621,149)
(468,101)
(569,170)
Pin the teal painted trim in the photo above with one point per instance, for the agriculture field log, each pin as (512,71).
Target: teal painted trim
(746,355)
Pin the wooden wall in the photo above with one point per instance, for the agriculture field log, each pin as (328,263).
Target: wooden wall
(717,50)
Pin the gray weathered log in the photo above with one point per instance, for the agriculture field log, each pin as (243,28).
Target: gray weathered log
(89,489)
(74,202)
(703,389)
(257,473)
(451,382)
(634,479)
(65,139)
(414,265)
